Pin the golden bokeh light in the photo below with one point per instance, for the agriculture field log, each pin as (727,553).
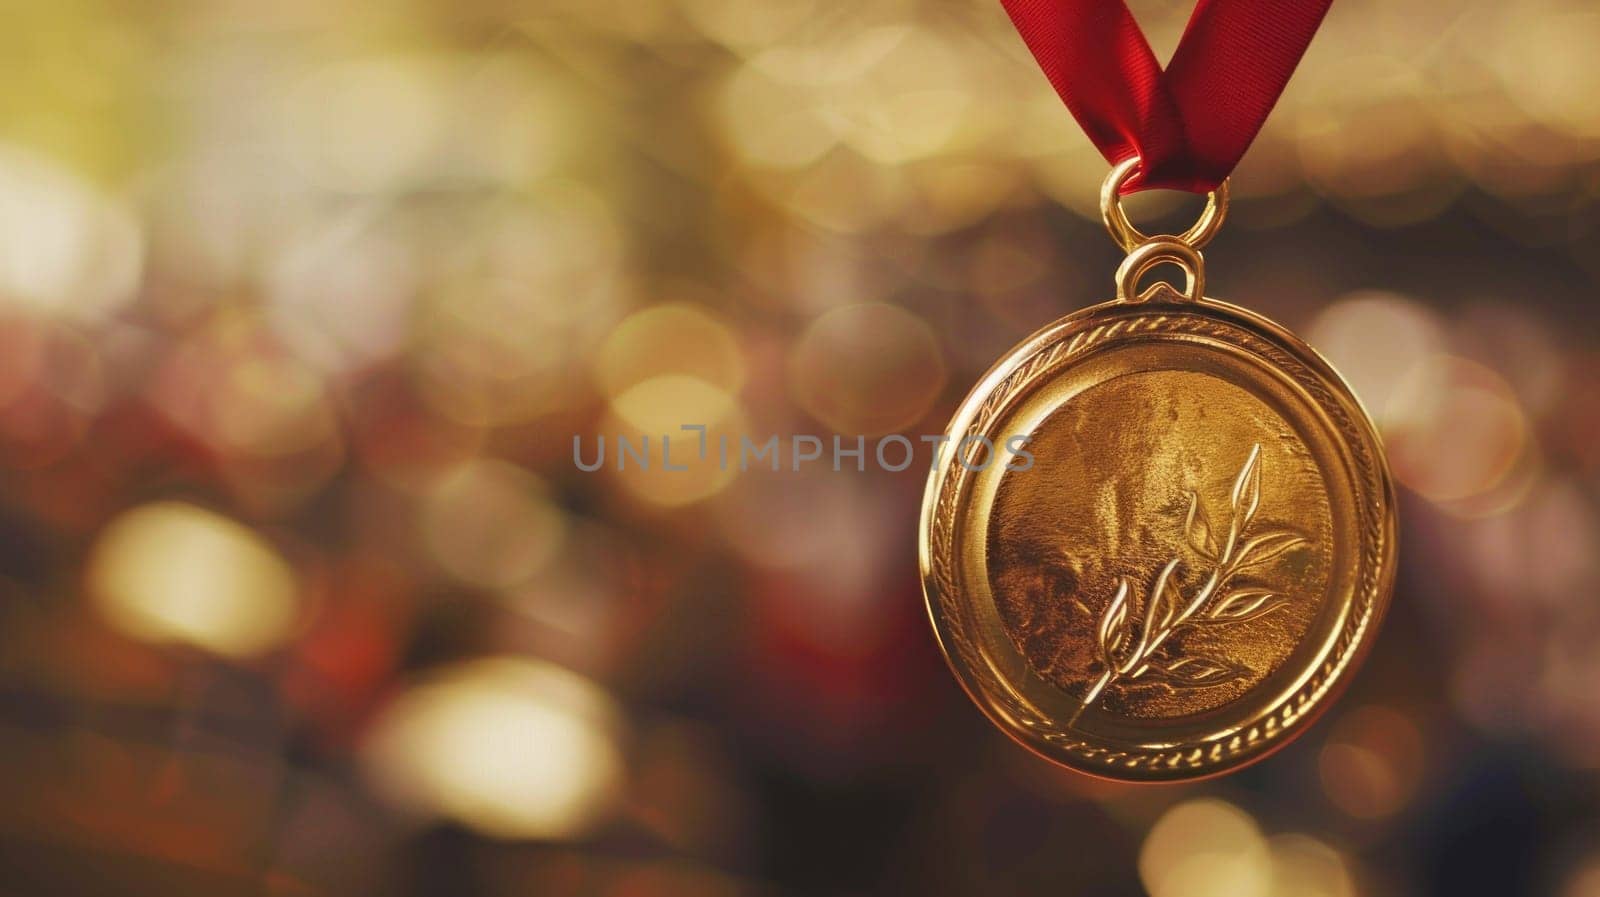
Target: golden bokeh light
(651,417)
(1455,430)
(365,124)
(1584,880)
(1372,764)
(232,386)
(341,291)
(843,193)
(528,122)
(491,523)
(1205,848)
(66,250)
(831,538)
(53,381)
(917,101)
(1072,177)
(1540,552)
(867,369)
(1369,141)
(1520,346)
(773,124)
(273,406)
(527,293)
(1545,64)
(171,572)
(1375,339)
(749,25)
(831,59)
(953,195)
(512,747)
(676,338)
(1302,866)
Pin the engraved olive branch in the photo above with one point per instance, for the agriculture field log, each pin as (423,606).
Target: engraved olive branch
(1128,654)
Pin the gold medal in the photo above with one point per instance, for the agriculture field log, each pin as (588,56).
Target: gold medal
(1199,551)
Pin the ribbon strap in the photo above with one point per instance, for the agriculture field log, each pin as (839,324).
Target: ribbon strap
(1190,124)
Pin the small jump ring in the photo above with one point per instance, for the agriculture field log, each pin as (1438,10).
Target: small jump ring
(1129,237)
(1161,250)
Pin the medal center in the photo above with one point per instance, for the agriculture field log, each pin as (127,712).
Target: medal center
(1169,548)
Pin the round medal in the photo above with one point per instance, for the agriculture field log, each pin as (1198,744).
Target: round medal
(1194,549)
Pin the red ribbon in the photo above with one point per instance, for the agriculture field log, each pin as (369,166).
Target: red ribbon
(1189,124)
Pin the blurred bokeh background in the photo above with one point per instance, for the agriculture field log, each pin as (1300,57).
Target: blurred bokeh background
(303,303)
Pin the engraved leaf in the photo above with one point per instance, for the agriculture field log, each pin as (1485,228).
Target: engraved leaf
(1166,612)
(1246,604)
(1267,546)
(1193,671)
(1165,603)
(1247,490)
(1197,528)
(1114,625)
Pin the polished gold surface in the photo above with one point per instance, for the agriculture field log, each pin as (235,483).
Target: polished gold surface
(1196,557)
(1160,251)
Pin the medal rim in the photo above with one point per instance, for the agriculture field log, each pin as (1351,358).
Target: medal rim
(1046,350)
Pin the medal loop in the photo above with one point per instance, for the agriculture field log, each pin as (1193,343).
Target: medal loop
(1130,237)
(1160,251)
